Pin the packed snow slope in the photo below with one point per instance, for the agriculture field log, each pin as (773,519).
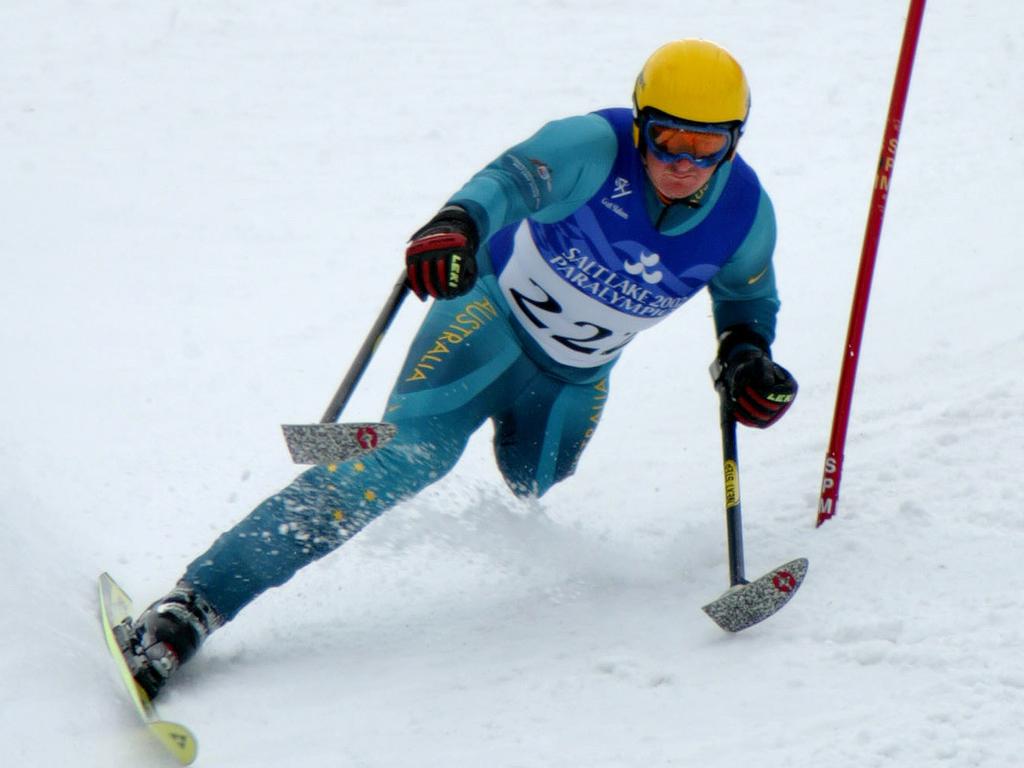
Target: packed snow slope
(205,204)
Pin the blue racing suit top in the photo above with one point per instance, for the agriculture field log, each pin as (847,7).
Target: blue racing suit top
(583,276)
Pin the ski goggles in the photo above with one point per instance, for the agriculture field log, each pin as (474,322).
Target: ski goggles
(673,140)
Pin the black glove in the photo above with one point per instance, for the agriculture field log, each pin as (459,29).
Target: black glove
(757,390)
(440,259)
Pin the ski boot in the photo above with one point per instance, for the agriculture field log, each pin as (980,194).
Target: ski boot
(165,636)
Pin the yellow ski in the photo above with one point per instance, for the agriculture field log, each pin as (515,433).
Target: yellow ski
(115,607)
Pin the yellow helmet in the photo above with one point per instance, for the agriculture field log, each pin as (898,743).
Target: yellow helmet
(693,80)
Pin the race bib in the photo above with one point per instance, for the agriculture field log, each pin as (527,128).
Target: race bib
(581,311)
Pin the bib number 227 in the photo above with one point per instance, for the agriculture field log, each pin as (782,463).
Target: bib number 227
(593,333)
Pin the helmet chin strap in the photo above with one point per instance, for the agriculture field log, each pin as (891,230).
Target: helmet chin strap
(691,201)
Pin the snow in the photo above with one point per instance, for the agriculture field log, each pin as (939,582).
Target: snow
(205,205)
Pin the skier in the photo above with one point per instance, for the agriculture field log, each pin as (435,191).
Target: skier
(546,264)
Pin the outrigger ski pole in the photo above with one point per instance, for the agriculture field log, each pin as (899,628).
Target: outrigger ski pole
(746,603)
(329,442)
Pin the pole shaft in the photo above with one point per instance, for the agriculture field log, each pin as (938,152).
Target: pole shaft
(362,359)
(851,352)
(733,511)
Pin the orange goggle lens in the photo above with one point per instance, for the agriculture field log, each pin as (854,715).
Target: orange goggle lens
(702,145)
(680,141)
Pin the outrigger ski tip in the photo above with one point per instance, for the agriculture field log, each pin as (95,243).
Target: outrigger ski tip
(335,443)
(746,604)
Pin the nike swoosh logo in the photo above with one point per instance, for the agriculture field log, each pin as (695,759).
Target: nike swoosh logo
(758,276)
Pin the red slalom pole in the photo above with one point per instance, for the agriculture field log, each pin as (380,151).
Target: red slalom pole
(886,161)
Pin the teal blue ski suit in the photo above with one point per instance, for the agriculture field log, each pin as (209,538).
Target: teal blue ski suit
(578,255)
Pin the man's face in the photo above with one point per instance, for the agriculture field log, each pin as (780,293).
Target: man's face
(678,179)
